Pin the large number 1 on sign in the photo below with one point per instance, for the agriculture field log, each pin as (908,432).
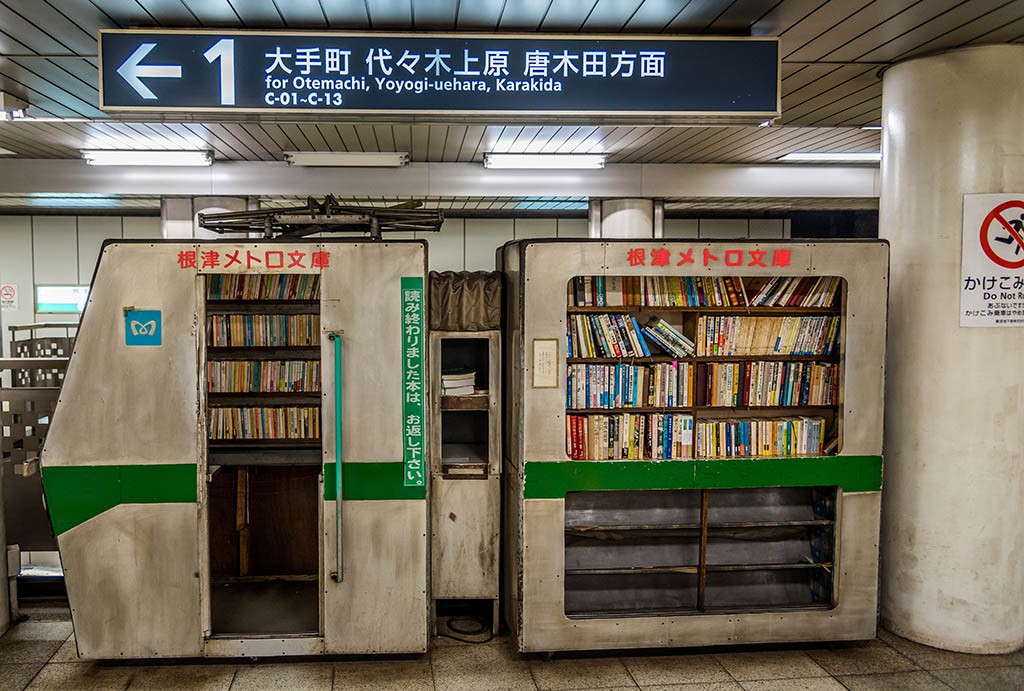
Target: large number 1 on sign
(224,50)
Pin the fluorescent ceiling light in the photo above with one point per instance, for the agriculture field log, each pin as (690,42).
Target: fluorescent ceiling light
(6,152)
(118,157)
(834,157)
(871,127)
(353,159)
(547,161)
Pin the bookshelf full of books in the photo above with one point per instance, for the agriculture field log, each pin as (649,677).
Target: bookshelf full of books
(263,404)
(671,354)
(720,459)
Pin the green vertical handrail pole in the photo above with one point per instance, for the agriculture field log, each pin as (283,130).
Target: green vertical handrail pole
(339,574)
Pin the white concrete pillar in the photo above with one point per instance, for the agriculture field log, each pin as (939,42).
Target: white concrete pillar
(626,218)
(953,498)
(179,216)
(5,605)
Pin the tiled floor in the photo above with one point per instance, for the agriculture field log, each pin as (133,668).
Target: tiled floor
(39,654)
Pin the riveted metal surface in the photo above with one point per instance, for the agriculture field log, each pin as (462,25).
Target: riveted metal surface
(132,575)
(382,605)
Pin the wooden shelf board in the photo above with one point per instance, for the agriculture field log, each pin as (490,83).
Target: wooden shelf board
(214,353)
(616,411)
(463,454)
(216,399)
(653,527)
(264,443)
(476,401)
(632,571)
(627,360)
(740,310)
(262,307)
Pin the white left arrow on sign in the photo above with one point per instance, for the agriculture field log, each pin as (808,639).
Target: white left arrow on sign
(131,70)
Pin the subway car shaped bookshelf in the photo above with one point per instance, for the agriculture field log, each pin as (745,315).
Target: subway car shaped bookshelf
(191,470)
(694,439)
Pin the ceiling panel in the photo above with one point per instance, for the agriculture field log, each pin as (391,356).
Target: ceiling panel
(833,50)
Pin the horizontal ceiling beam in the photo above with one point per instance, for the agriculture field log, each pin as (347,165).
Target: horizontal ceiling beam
(64,176)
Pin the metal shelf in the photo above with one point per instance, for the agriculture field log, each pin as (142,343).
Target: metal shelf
(218,399)
(263,353)
(732,309)
(263,307)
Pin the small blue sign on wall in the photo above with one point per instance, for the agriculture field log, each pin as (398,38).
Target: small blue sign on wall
(143,328)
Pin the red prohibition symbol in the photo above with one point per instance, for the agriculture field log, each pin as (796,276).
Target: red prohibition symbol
(1007,229)
(7,293)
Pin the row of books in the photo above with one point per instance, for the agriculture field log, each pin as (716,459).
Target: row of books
(620,335)
(797,291)
(745,335)
(263,287)
(265,423)
(767,383)
(263,330)
(796,436)
(663,385)
(629,436)
(656,291)
(269,376)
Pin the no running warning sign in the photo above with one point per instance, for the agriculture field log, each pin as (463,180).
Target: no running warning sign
(992,260)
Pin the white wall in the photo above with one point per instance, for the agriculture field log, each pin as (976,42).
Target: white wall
(57,250)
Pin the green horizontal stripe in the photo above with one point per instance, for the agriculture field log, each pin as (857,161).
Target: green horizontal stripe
(552,480)
(74,494)
(370,481)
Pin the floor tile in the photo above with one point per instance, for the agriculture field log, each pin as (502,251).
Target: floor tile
(898,681)
(933,658)
(385,675)
(873,658)
(480,668)
(988,678)
(809,684)
(597,673)
(293,677)
(702,686)
(775,664)
(81,676)
(14,651)
(68,652)
(17,677)
(658,670)
(39,631)
(178,677)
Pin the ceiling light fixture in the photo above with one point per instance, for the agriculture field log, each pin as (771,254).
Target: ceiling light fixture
(833,157)
(871,127)
(348,159)
(136,157)
(545,161)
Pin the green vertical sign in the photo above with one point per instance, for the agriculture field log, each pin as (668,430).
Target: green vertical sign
(414,343)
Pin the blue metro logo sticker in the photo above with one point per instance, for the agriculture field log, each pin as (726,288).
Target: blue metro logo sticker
(143,328)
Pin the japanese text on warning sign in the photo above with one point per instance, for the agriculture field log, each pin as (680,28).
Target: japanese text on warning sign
(992,261)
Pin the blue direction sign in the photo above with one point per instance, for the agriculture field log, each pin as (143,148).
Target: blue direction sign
(659,79)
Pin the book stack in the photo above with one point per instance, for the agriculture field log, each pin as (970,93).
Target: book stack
(457,382)
(767,383)
(241,330)
(657,291)
(668,338)
(263,287)
(264,376)
(265,423)
(797,291)
(663,385)
(729,335)
(629,436)
(796,436)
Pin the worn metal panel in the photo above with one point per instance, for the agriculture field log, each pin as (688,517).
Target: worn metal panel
(546,628)
(132,575)
(465,531)
(129,405)
(382,605)
(361,296)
